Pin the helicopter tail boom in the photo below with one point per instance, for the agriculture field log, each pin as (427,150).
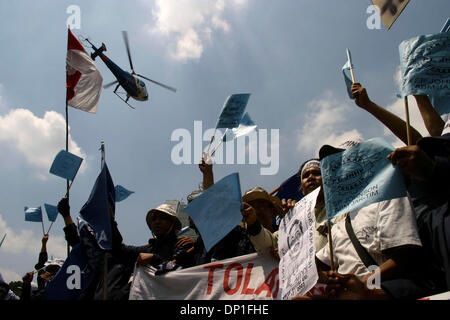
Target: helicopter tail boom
(98,51)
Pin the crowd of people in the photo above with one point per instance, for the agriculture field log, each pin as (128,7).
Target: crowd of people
(407,239)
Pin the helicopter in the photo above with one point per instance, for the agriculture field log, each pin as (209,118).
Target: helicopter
(134,87)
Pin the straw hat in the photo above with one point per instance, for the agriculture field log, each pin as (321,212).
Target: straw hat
(168,210)
(258,193)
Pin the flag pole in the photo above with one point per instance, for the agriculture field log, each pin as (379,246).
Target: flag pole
(105,258)
(408,125)
(330,242)
(51,224)
(68,185)
(42,222)
(212,139)
(3,239)
(275,190)
(220,143)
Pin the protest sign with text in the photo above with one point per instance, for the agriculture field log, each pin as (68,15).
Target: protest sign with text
(247,277)
(359,176)
(296,247)
(425,65)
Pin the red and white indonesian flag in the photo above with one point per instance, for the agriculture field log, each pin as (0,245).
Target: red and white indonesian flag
(84,81)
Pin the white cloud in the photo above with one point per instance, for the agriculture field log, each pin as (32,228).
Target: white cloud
(10,275)
(325,123)
(27,242)
(37,139)
(191,23)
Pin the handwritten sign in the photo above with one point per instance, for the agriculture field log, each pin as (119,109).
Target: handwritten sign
(233,111)
(66,165)
(359,176)
(425,65)
(296,247)
(390,10)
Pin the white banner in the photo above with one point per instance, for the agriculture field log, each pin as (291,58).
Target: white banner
(247,277)
(296,246)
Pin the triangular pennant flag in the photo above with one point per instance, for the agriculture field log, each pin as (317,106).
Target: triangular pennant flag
(122,193)
(52,212)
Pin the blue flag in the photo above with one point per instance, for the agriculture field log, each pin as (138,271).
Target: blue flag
(425,65)
(122,193)
(52,212)
(359,176)
(96,211)
(78,270)
(233,111)
(33,214)
(66,165)
(217,210)
(290,189)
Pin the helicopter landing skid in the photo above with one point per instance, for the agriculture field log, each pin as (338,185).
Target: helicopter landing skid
(126,101)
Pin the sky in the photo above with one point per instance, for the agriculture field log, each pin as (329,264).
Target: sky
(287,54)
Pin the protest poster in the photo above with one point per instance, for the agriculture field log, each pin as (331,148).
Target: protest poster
(425,65)
(390,10)
(359,176)
(66,165)
(247,277)
(233,111)
(215,221)
(296,247)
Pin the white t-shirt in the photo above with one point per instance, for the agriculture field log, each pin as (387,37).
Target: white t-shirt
(378,226)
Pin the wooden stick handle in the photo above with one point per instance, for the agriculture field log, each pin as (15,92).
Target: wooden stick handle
(408,125)
(330,242)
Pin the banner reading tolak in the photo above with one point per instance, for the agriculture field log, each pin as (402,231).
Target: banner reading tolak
(359,176)
(247,277)
(296,247)
(425,65)
(390,10)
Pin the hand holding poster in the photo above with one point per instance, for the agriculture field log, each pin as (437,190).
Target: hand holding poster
(296,244)
(359,176)
(217,210)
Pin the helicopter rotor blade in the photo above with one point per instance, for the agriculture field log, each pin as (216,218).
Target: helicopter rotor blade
(127,45)
(158,83)
(110,84)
